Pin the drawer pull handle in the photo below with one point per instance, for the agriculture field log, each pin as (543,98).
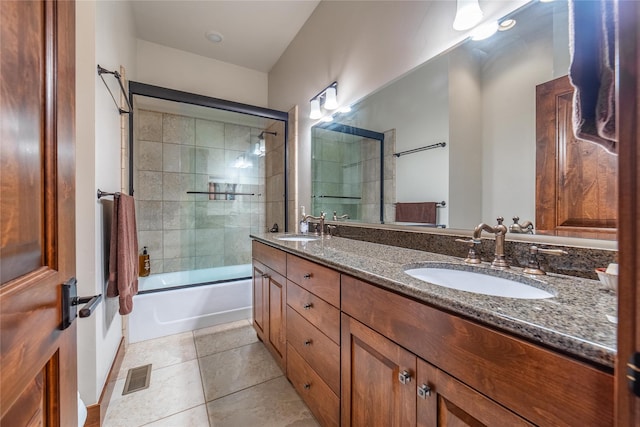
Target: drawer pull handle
(307,306)
(308,342)
(424,391)
(307,276)
(306,386)
(404,377)
(265,275)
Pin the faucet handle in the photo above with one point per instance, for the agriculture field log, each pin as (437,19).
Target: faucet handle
(500,219)
(533,266)
(472,256)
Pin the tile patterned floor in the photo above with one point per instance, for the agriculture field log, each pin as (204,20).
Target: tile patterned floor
(214,377)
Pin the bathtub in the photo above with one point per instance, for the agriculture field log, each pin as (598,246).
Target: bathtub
(171,303)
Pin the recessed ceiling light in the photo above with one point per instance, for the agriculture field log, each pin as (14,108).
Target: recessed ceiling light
(213,36)
(507,24)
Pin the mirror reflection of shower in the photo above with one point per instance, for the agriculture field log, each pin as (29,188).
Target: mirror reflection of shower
(204,179)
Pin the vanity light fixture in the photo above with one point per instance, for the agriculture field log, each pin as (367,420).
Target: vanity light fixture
(328,118)
(327,99)
(315,109)
(468,15)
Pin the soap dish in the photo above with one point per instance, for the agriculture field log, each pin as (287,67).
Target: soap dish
(609,280)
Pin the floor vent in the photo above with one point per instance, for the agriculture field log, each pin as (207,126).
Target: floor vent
(137,379)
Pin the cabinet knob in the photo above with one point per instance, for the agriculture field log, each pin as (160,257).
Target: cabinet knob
(307,306)
(307,276)
(404,377)
(307,342)
(424,391)
(306,386)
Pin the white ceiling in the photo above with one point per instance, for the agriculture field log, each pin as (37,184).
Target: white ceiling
(256,32)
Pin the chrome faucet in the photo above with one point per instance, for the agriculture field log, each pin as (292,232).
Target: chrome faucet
(336,217)
(320,218)
(525,227)
(499,262)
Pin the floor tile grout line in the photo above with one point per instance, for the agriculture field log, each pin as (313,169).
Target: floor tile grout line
(229,349)
(242,389)
(176,413)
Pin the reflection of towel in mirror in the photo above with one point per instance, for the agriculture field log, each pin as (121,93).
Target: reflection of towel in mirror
(123,256)
(423,212)
(592,49)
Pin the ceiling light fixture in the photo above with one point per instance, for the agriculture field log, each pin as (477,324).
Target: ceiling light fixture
(327,98)
(468,15)
(213,36)
(507,24)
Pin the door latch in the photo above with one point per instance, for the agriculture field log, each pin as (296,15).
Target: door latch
(633,373)
(71,301)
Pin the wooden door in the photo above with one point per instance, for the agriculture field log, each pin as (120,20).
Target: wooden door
(576,180)
(445,401)
(372,393)
(37,198)
(628,107)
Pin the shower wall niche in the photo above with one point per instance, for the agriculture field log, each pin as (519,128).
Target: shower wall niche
(176,155)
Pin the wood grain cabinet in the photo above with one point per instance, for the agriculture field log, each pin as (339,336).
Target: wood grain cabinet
(483,377)
(361,355)
(313,337)
(269,300)
(384,384)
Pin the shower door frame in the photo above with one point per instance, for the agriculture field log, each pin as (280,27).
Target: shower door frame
(365,133)
(158,92)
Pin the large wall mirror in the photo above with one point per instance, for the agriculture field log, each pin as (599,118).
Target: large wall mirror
(461,129)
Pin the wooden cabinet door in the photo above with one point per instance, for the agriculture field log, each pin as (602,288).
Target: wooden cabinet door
(259,298)
(372,393)
(38,383)
(445,401)
(576,180)
(277,315)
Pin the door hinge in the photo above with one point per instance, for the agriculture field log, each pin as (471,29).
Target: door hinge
(633,373)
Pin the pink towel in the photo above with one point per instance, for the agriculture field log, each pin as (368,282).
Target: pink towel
(423,212)
(123,256)
(592,49)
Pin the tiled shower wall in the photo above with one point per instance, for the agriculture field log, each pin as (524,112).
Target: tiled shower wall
(174,154)
(350,166)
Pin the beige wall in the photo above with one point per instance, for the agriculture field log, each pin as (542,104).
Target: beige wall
(105,35)
(176,69)
(363,45)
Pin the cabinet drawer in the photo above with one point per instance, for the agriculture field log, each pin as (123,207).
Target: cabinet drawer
(271,257)
(322,354)
(324,404)
(315,278)
(502,367)
(316,310)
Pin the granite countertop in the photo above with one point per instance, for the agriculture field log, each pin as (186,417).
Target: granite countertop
(574,321)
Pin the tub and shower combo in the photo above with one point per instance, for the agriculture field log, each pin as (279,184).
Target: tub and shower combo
(200,184)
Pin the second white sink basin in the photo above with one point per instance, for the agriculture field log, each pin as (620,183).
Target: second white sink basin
(297,238)
(477,283)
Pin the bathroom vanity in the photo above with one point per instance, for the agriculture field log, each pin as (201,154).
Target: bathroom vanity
(364,343)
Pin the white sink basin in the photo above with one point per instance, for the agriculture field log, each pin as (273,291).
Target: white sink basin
(297,238)
(477,283)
